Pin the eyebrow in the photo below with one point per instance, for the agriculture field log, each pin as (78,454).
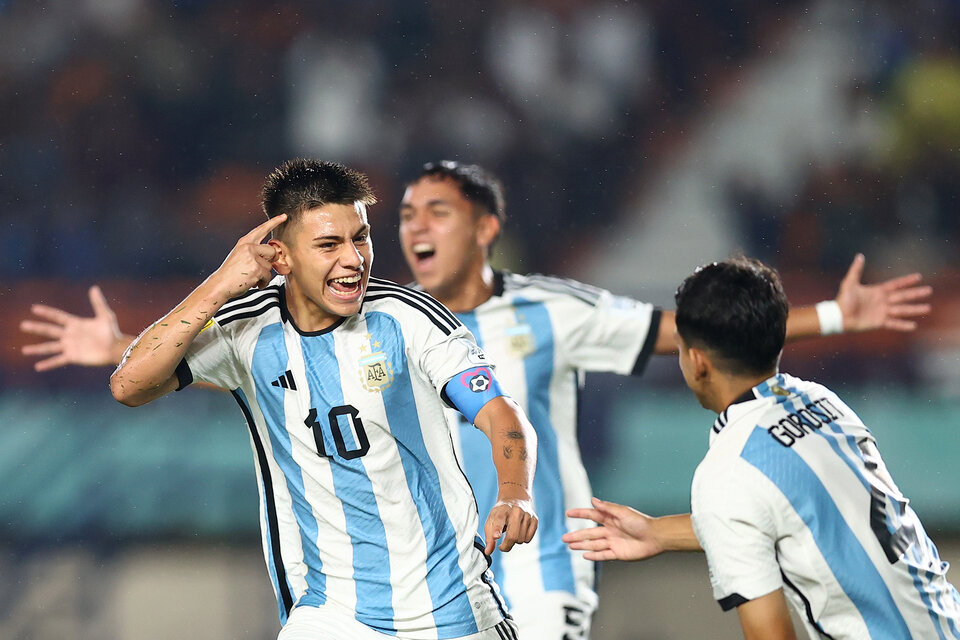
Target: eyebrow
(428,203)
(364,229)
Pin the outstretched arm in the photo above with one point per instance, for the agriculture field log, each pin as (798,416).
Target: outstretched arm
(892,304)
(148,368)
(627,534)
(91,342)
(514,445)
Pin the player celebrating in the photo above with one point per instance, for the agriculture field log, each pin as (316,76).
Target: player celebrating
(792,495)
(543,333)
(369,526)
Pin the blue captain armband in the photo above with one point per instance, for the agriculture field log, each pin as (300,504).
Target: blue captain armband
(469,390)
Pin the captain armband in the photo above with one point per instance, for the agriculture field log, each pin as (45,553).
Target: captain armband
(469,390)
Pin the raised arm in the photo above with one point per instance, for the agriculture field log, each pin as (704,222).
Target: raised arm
(514,445)
(148,368)
(891,304)
(91,342)
(627,534)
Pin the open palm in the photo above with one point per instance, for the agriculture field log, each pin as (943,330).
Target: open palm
(74,340)
(887,305)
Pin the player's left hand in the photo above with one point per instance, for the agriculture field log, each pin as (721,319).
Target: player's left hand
(885,305)
(511,519)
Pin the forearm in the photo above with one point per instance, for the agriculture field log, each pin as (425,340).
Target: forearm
(119,347)
(514,445)
(666,344)
(803,322)
(675,533)
(151,360)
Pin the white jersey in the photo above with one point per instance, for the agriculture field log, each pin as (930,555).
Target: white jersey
(363,504)
(793,494)
(543,333)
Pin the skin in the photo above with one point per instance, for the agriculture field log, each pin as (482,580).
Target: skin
(325,257)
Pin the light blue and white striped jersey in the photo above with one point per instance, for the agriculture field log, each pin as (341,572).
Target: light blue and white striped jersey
(363,503)
(544,332)
(793,494)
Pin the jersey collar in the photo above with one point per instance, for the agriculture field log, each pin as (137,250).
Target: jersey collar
(771,387)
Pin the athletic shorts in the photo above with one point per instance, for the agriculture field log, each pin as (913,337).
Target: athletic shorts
(553,615)
(329,623)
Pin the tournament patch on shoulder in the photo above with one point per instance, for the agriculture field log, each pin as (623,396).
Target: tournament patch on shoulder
(475,355)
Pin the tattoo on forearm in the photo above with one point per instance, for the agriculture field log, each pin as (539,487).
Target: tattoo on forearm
(521,452)
(515,434)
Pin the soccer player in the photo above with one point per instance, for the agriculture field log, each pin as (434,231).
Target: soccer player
(792,500)
(543,332)
(369,525)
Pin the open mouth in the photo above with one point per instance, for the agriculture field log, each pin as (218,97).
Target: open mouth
(423,251)
(346,287)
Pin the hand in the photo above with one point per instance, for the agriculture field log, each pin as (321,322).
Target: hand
(89,342)
(624,534)
(512,519)
(880,306)
(249,263)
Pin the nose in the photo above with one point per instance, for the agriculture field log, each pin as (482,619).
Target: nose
(351,256)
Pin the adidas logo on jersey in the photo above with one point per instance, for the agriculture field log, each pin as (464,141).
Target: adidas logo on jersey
(286,381)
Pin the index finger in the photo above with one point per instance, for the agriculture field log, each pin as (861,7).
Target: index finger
(260,232)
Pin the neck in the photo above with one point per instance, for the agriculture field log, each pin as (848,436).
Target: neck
(307,315)
(727,388)
(469,293)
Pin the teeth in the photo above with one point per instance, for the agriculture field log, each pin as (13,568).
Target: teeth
(423,247)
(348,280)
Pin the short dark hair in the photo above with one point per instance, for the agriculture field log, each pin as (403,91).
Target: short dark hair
(738,310)
(302,184)
(477,185)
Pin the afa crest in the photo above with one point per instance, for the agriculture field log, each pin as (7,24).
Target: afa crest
(520,340)
(376,372)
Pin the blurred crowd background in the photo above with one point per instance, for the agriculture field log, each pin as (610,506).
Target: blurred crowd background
(635,140)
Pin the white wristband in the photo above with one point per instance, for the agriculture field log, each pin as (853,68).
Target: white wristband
(830,316)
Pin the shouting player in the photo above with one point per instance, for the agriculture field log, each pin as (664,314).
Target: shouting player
(792,500)
(369,526)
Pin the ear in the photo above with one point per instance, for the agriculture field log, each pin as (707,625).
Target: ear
(488,228)
(281,261)
(702,366)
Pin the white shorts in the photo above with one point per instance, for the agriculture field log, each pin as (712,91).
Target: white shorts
(554,615)
(330,623)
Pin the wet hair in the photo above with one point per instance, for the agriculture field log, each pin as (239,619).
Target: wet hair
(302,184)
(479,186)
(737,310)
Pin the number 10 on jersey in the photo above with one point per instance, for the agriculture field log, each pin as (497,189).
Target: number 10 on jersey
(339,417)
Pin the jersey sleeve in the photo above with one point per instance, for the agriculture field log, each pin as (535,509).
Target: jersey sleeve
(605,332)
(211,358)
(737,531)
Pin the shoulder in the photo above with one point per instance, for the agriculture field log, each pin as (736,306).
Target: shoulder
(406,303)
(544,286)
(252,304)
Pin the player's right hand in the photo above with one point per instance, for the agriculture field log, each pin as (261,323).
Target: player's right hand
(249,263)
(88,342)
(624,534)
